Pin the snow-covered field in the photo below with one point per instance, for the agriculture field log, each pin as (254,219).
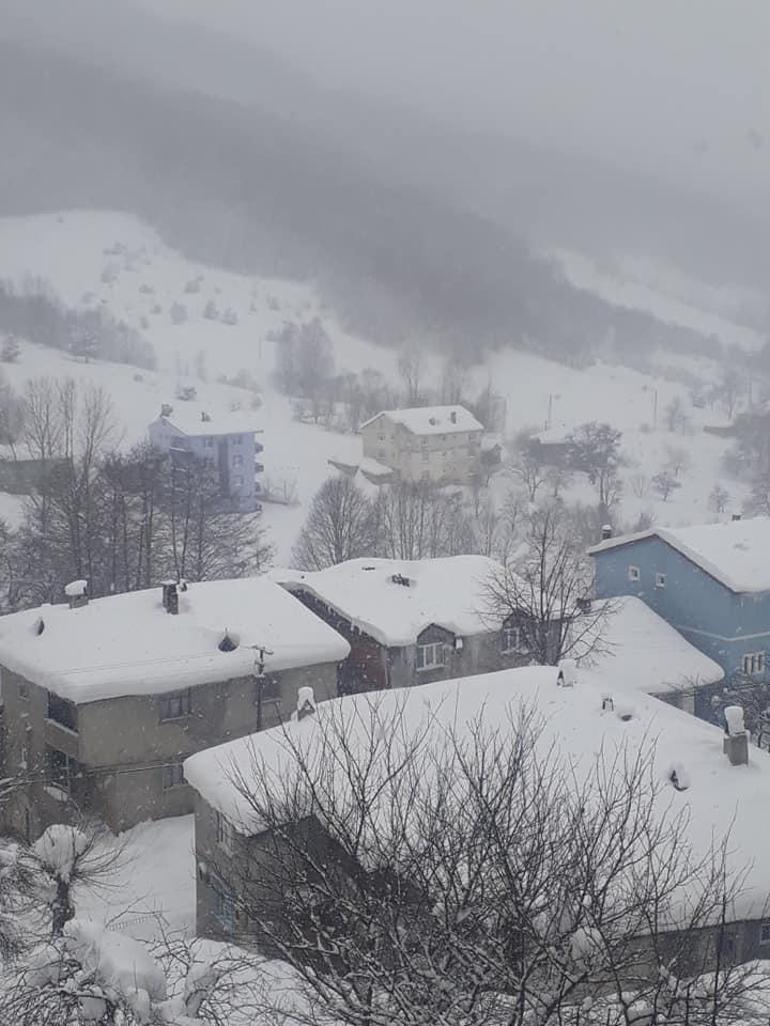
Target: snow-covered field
(92,258)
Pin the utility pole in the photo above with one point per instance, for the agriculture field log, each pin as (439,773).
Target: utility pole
(259,675)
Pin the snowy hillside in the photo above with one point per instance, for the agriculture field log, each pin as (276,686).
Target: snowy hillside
(109,259)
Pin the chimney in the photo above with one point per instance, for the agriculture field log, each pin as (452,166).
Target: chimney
(166,409)
(77,594)
(453,416)
(736,741)
(735,516)
(305,703)
(170,597)
(205,417)
(606,532)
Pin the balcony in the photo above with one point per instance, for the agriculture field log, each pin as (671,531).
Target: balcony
(259,468)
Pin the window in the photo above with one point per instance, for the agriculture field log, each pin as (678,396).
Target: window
(172,776)
(633,573)
(63,712)
(431,655)
(237,460)
(224,833)
(764,933)
(426,455)
(753,663)
(23,691)
(175,705)
(61,769)
(238,481)
(224,904)
(513,638)
(237,439)
(660,580)
(208,442)
(269,688)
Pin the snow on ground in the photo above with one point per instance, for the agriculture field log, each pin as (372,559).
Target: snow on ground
(635,287)
(108,258)
(152,889)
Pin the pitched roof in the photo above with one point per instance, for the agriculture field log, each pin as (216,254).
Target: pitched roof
(449,592)
(187,417)
(431,420)
(720,797)
(639,651)
(734,553)
(129,645)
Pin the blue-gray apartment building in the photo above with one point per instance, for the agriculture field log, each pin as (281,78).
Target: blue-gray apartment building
(229,441)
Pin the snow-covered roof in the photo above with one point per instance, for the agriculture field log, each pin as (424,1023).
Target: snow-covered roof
(719,797)
(431,420)
(734,553)
(449,592)
(129,645)
(188,418)
(639,651)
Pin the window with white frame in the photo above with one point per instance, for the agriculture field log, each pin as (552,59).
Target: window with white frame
(224,904)
(175,705)
(431,655)
(660,580)
(224,832)
(237,460)
(238,481)
(633,573)
(173,775)
(753,663)
(764,933)
(512,638)
(208,442)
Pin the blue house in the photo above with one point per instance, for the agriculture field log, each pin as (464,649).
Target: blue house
(228,441)
(711,582)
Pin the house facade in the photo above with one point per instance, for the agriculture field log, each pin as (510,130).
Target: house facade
(441,444)
(237,858)
(229,442)
(103,701)
(411,622)
(710,582)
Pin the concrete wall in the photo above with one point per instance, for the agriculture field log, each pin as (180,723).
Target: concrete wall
(449,458)
(123,744)
(715,620)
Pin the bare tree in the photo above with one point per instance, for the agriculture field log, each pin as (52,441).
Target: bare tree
(419,520)
(340,525)
(719,498)
(526,467)
(542,590)
(594,449)
(413,871)
(665,483)
(410,366)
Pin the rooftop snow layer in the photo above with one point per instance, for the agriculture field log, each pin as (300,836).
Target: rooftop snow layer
(639,651)
(735,553)
(188,418)
(719,797)
(449,592)
(129,645)
(431,420)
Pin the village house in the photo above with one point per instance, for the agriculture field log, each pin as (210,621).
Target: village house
(441,444)
(711,582)
(703,772)
(634,649)
(411,621)
(103,700)
(228,441)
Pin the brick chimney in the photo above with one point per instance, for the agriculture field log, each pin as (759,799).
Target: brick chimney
(166,409)
(453,416)
(77,594)
(606,532)
(170,597)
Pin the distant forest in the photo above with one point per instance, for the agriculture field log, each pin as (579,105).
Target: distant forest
(237,186)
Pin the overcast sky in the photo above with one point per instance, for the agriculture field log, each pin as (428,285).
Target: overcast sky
(675,86)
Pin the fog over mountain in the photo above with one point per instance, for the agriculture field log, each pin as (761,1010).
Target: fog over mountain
(407,156)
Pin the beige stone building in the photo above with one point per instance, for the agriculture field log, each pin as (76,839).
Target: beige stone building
(103,700)
(427,443)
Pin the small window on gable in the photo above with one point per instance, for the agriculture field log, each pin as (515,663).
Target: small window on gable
(23,691)
(512,638)
(660,580)
(173,775)
(753,663)
(223,832)
(175,705)
(633,573)
(431,656)
(764,933)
